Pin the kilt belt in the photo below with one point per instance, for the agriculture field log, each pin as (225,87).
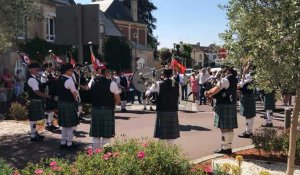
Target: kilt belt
(103,122)
(247,105)
(36,110)
(167,125)
(67,114)
(225,116)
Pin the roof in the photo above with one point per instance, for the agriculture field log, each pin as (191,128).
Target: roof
(110,27)
(141,47)
(65,2)
(116,10)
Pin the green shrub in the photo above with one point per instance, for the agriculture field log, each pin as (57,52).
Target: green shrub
(5,169)
(18,112)
(127,157)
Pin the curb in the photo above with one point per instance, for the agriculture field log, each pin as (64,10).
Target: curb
(213,156)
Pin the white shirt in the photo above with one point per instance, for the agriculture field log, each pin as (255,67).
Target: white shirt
(183,79)
(248,79)
(69,84)
(203,78)
(113,87)
(33,83)
(223,83)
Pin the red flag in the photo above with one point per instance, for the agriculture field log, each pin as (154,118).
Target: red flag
(72,61)
(176,65)
(57,59)
(96,63)
(100,64)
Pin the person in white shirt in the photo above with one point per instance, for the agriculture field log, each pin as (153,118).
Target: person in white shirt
(184,81)
(203,77)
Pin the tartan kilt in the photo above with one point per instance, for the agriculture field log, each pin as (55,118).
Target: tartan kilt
(225,116)
(269,101)
(50,105)
(102,123)
(36,110)
(124,95)
(248,106)
(167,125)
(67,114)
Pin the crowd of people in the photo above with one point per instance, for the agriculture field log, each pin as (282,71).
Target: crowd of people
(62,92)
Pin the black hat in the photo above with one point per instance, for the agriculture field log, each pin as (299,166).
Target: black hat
(33,65)
(168,72)
(46,65)
(65,67)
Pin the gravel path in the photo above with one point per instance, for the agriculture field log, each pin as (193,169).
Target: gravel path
(13,128)
(256,166)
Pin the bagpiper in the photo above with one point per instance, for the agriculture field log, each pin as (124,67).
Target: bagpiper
(105,95)
(68,97)
(36,106)
(167,123)
(225,108)
(247,102)
(269,106)
(124,94)
(48,81)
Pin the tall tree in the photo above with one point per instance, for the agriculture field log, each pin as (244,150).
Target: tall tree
(267,32)
(145,9)
(117,54)
(13,17)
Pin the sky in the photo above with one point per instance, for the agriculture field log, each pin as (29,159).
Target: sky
(190,21)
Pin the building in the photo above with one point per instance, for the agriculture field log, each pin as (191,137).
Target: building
(211,55)
(132,27)
(197,55)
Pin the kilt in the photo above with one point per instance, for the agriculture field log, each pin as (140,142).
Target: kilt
(50,105)
(226,116)
(67,114)
(269,101)
(124,95)
(36,110)
(248,106)
(167,125)
(102,123)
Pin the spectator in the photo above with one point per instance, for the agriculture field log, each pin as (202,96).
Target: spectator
(194,86)
(8,85)
(19,82)
(3,98)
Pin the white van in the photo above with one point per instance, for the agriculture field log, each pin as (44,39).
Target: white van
(189,71)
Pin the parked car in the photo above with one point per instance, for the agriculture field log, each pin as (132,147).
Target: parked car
(189,71)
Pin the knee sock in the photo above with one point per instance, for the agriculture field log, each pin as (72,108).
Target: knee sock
(106,141)
(70,136)
(225,140)
(230,139)
(64,134)
(32,128)
(79,110)
(269,116)
(123,104)
(96,143)
(170,142)
(49,118)
(249,125)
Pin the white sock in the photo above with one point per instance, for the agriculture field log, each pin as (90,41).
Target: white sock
(79,110)
(70,136)
(64,133)
(96,143)
(269,116)
(225,140)
(32,128)
(50,118)
(123,104)
(106,141)
(230,139)
(249,125)
(170,142)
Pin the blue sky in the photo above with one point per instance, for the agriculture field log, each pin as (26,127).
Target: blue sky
(190,21)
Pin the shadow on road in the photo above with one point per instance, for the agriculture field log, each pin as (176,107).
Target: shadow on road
(19,151)
(192,127)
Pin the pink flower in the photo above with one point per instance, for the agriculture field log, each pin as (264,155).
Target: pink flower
(145,145)
(38,171)
(193,170)
(89,151)
(16,173)
(208,169)
(109,154)
(141,155)
(53,163)
(105,157)
(116,154)
(97,151)
(56,168)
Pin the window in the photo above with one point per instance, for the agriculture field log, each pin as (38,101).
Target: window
(200,64)
(200,56)
(22,33)
(50,27)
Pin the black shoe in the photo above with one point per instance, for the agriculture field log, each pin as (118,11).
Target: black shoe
(124,110)
(245,135)
(223,151)
(151,109)
(38,135)
(267,125)
(73,146)
(81,118)
(51,128)
(61,146)
(145,109)
(140,102)
(36,139)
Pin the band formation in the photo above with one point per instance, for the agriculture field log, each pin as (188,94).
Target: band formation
(62,92)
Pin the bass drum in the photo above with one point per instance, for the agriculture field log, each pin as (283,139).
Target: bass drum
(144,77)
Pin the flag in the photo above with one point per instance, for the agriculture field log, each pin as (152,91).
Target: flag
(57,59)
(96,63)
(72,61)
(24,59)
(176,65)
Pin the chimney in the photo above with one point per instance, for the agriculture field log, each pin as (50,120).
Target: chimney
(134,10)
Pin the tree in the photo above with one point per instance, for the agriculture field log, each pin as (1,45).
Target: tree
(145,9)
(13,17)
(117,53)
(266,32)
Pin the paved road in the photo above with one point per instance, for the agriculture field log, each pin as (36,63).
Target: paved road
(198,135)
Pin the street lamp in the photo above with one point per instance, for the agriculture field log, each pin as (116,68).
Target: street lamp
(135,44)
